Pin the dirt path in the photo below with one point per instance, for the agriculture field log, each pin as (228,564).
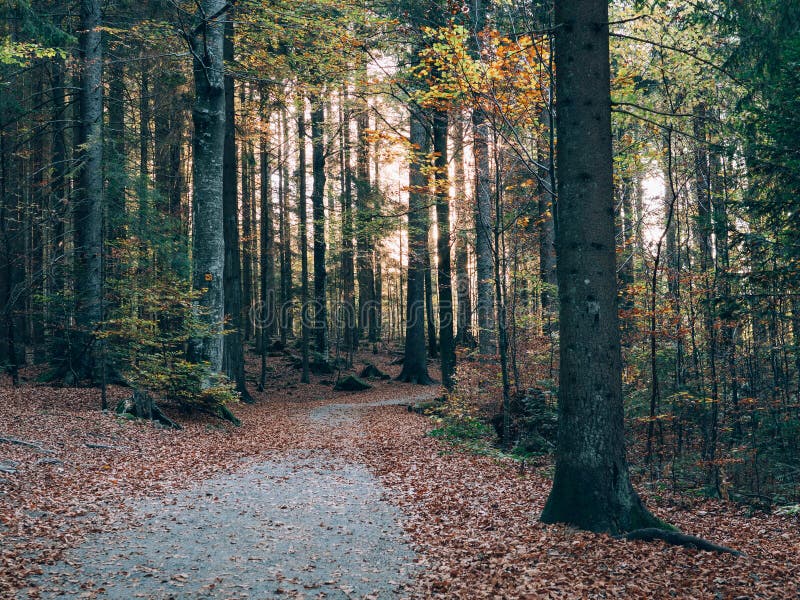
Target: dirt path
(305,524)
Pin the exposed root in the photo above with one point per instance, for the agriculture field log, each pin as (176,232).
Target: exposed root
(676,538)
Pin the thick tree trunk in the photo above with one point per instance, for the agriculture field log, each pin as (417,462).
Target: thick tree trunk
(318,205)
(591,487)
(446,341)
(89,203)
(415,366)
(208,241)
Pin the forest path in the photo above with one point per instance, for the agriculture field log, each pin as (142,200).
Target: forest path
(310,522)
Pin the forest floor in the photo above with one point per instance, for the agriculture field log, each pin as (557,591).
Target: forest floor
(323,494)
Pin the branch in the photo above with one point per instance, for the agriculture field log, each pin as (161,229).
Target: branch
(679,51)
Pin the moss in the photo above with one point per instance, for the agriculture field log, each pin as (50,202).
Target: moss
(351,383)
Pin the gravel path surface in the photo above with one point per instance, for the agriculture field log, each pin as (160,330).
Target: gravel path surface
(301,525)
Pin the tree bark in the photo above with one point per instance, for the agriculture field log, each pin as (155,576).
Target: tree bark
(367,310)
(267,246)
(547,229)
(287,287)
(484,260)
(591,487)
(464,335)
(89,203)
(430,319)
(208,241)
(415,366)
(302,209)
(115,158)
(318,207)
(351,324)
(446,341)
(233,351)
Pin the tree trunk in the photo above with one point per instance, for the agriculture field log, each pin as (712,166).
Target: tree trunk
(249,251)
(367,312)
(143,185)
(547,229)
(233,354)
(9,231)
(484,261)
(591,487)
(89,202)
(303,232)
(464,335)
(415,366)
(115,158)
(287,287)
(447,344)
(483,231)
(59,203)
(351,324)
(430,319)
(267,242)
(318,205)
(208,241)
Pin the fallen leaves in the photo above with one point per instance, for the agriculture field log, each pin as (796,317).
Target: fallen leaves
(474,520)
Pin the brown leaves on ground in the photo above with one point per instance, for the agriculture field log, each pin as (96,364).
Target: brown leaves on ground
(474,519)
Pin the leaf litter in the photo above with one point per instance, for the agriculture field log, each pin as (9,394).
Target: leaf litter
(473,520)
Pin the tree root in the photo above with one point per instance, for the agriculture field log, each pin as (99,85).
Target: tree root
(34,445)
(676,538)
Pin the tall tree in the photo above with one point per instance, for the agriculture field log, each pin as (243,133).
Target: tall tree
(89,204)
(591,487)
(464,334)
(302,209)
(318,208)
(267,245)
(484,257)
(367,309)
(351,323)
(208,141)
(446,341)
(233,351)
(415,365)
